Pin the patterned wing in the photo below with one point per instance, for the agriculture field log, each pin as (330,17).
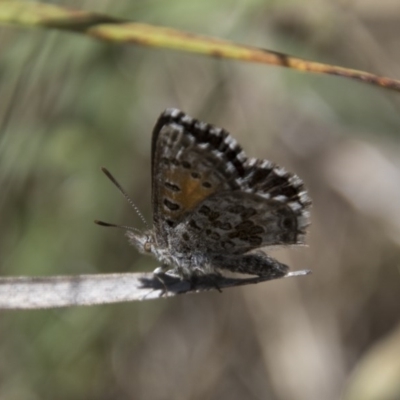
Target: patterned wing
(270,208)
(191,161)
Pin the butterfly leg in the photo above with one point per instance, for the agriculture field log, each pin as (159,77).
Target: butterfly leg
(256,263)
(195,277)
(214,282)
(161,269)
(159,272)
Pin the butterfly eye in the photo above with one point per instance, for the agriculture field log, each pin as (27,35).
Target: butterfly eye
(147,247)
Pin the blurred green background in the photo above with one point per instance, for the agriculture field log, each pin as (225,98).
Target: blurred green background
(70,104)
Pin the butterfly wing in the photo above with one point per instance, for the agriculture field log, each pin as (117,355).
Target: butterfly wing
(271,208)
(208,196)
(191,161)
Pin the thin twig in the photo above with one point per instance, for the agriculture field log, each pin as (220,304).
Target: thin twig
(119,30)
(85,290)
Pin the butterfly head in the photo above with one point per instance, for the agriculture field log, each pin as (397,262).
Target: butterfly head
(143,241)
(146,243)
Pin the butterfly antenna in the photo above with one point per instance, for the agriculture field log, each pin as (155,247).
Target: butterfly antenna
(127,228)
(115,182)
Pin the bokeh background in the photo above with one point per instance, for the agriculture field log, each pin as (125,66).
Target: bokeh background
(70,104)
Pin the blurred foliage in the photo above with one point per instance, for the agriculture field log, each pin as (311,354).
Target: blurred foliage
(71,105)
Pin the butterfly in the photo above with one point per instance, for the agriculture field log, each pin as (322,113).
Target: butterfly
(214,208)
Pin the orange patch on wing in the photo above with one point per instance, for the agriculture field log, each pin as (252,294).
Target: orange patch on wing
(192,192)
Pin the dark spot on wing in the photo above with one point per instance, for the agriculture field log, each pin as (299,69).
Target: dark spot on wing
(213,215)
(170,223)
(243,235)
(258,176)
(236,209)
(288,191)
(244,225)
(201,134)
(193,224)
(205,210)
(255,230)
(234,234)
(185,236)
(226,226)
(231,154)
(172,186)
(223,147)
(186,164)
(288,237)
(195,175)
(273,182)
(289,223)
(239,166)
(174,136)
(227,244)
(215,140)
(172,206)
(206,184)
